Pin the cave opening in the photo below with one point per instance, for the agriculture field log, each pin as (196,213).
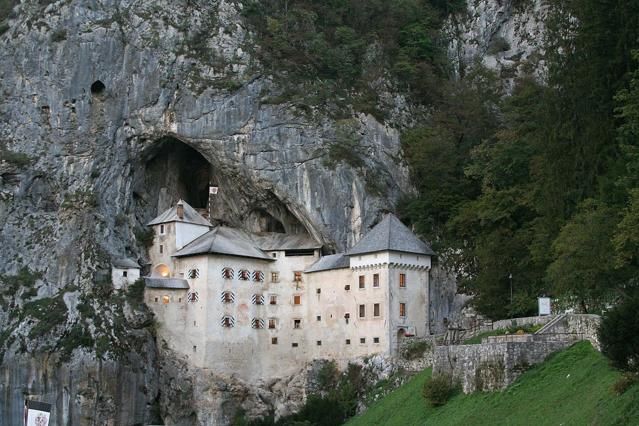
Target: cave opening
(177,171)
(97,88)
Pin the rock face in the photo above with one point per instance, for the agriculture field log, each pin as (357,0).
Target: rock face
(112,110)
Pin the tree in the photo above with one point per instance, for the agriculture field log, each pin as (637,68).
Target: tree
(618,333)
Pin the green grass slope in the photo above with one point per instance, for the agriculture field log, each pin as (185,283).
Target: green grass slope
(572,387)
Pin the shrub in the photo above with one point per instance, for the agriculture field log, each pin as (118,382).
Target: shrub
(145,236)
(624,383)
(439,389)
(414,350)
(618,334)
(327,376)
(135,293)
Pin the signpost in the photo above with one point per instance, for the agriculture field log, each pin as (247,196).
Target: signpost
(544,305)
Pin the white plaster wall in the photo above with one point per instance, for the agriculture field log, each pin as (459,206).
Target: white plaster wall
(414,295)
(167,240)
(387,257)
(187,232)
(120,281)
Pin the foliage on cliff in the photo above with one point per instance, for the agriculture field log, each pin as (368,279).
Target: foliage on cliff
(541,185)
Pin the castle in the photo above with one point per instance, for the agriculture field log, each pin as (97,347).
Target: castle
(263,305)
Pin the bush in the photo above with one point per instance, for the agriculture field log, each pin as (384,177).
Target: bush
(439,389)
(145,236)
(415,350)
(135,293)
(624,383)
(618,334)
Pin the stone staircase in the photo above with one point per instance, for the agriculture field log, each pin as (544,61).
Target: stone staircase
(550,325)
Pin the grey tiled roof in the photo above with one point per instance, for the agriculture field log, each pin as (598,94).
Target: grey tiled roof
(277,241)
(125,263)
(190,216)
(168,283)
(390,234)
(224,240)
(326,263)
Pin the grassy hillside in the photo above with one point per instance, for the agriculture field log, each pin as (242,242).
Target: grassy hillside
(573,387)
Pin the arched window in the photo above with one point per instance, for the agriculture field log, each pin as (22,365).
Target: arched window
(228,297)
(258,276)
(228,321)
(244,275)
(162,270)
(228,273)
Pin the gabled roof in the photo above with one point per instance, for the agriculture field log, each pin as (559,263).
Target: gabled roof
(190,216)
(277,241)
(125,263)
(168,283)
(224,240)
(327,263)
(390,235)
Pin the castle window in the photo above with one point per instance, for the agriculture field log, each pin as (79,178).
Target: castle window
(166,299)
(362,281)
(124,273)
(348,341)
(228,297)
(275,277)
(362,311)
(375,339)
(228,321)
(319,343)
(272,299)
(244,275)
(194,348)
(161,249)
(375,280)
(297,323)
(271,323)
(193,273)
(319,317)
(347,315)
(347,287)
(156,300)
(258,276)
(179,299)
(376,310)
(274,254)
(319,291)
(192,296)
(402,309)
(294,345)
(273,340)
(402,280)
(258,299)
(257,323)
(362,340)
(297,299)
(228,273)
(161,229)
(298,276)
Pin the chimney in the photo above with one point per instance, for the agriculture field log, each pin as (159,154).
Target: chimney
(180,210)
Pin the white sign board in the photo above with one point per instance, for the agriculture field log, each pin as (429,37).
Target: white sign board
(37,413)
(544,305)
(212,190)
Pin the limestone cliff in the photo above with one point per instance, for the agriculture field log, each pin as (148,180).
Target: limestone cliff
(112,109)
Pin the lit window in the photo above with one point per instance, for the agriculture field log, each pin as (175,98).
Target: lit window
(161,229)
(362,281)
(362,311)
(375,280)
(162,270)
(273,299)
(348,341)
(193,273)
(319,343)
(375,339)
(294,345)
(402,280)
(228,297)
(402,309)
(297,299)
(161,249)
(244,275)
(166,299)
(298,276)
(228,273)
(376,310)
(271,323)
(275,277)
(258,276)
(273,340)
(297,323)
(258,299)
(362,340)
(257,323)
